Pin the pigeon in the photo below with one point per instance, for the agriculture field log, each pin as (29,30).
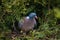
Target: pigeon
(28,22)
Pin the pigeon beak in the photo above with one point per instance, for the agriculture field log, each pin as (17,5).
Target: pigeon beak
(36,17)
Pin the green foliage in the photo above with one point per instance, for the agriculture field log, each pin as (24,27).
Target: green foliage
(48,13)
(57,12)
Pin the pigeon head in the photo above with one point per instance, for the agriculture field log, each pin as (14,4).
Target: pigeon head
(32,15)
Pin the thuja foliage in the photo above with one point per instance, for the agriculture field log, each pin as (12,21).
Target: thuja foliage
(48,12)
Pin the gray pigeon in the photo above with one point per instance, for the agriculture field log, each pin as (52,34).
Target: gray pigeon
(28,22)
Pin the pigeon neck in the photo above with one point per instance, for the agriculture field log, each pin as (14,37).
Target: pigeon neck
(27,17)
